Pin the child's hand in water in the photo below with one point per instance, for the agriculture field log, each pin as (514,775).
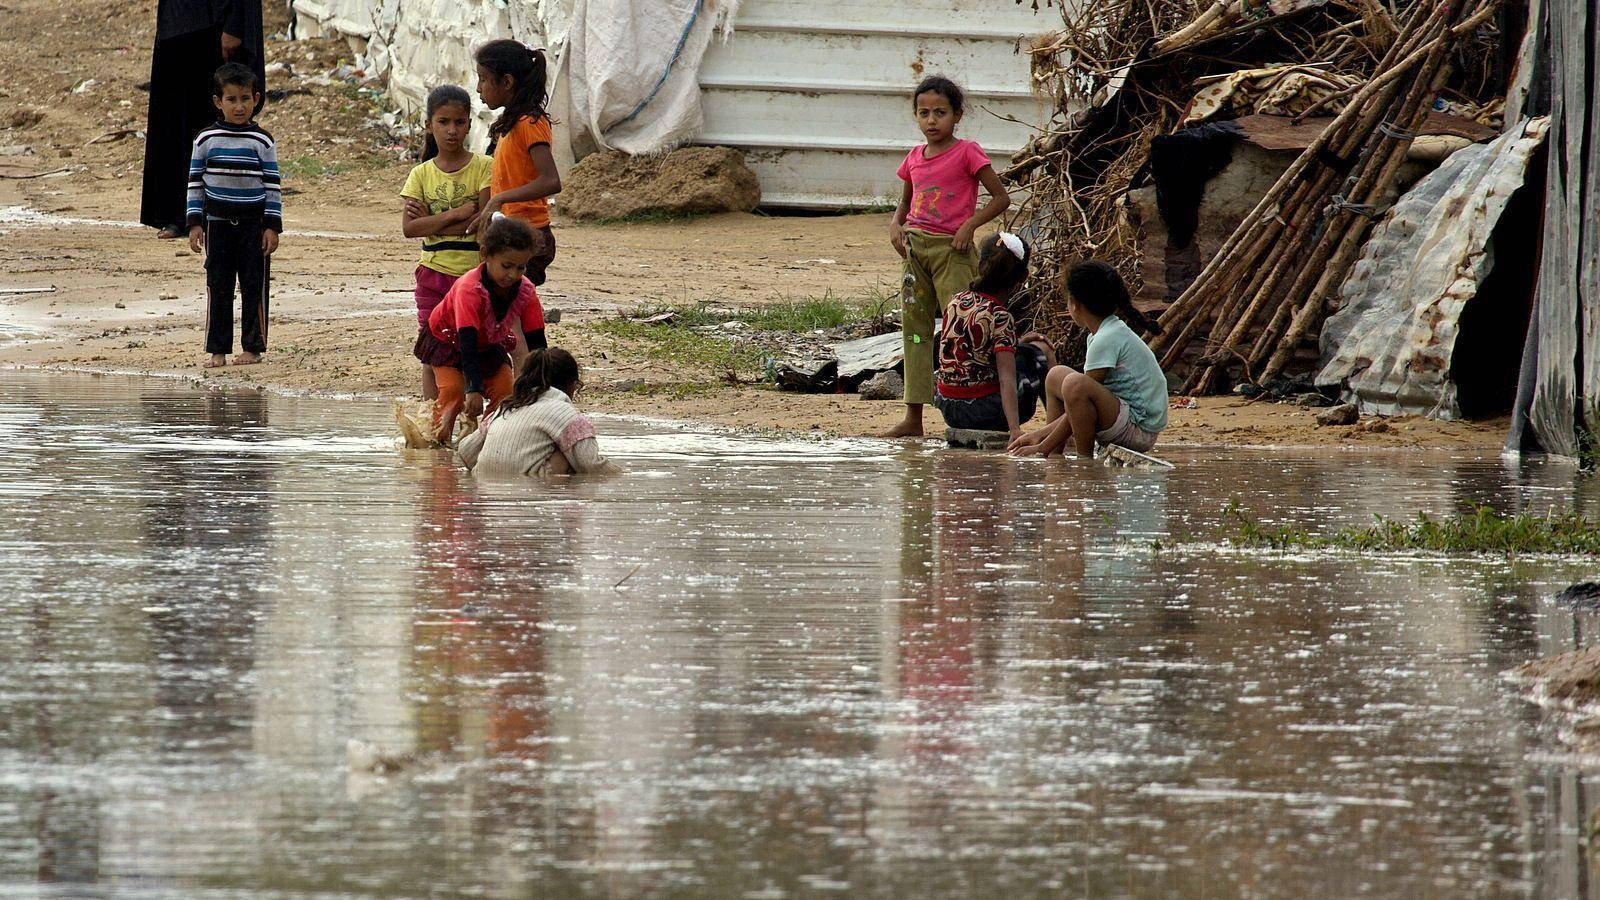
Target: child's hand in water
(474,405)
(197,239)
(1027,444)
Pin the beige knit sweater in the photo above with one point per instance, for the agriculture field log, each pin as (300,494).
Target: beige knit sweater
(522,441)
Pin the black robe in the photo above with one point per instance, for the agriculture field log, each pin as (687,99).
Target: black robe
(188,50)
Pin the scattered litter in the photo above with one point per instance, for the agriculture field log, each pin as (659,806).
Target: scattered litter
(1123,458)
(111,137)
(1343,414)
(83,86)
(367,757)
(886,385)
(1183,403)
(166,296)
(16,150)
(49,174)
(658,319)
(976,439)
(28,290)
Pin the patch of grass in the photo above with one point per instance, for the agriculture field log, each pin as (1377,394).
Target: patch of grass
(1482,531)
(688,348)
(678,390)
(308,166)
(799,316)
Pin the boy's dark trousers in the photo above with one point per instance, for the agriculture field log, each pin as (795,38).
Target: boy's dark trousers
(233,253)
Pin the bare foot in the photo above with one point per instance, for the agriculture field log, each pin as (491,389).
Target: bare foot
(217,361)
(247,359)
(904,430)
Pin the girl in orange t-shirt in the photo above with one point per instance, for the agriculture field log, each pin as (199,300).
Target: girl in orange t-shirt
(511,78)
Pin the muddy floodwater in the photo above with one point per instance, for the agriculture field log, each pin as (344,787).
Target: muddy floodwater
(752,667)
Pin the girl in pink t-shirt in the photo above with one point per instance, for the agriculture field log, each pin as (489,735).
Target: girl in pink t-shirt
(933,229)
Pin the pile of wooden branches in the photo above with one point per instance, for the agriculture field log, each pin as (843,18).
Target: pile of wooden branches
(1268,286)
(1123,71)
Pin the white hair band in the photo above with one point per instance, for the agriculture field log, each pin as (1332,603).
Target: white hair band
(1015,245)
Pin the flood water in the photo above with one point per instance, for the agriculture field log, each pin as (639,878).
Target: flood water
(750,668)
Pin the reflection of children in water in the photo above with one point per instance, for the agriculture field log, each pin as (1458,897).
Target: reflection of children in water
(207,528)
(948,639)
(480,654)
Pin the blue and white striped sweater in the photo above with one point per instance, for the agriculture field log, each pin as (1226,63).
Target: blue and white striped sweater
(233,174)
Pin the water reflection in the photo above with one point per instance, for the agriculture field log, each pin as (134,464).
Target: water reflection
(751,668)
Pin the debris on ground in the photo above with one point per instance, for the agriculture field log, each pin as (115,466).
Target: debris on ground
(845,367)
(686,181)
(887,385)
(1361,81)
(1122,458)
(976,439)
(1343,414)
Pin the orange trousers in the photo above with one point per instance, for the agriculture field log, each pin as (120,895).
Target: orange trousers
(453,394)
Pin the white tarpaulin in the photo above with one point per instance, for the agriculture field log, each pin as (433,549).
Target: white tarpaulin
(628,77)
(624,72)
(1392,341)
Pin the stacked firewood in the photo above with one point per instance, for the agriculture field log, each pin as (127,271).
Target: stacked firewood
(1268,287)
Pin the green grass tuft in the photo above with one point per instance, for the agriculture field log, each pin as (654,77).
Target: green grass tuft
(689,348)
(307,166)
(799,316)
(1482,531)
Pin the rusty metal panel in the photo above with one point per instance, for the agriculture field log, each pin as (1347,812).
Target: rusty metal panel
(818,94)
(1391,344)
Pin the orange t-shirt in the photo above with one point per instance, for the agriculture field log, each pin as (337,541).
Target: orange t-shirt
(513,167)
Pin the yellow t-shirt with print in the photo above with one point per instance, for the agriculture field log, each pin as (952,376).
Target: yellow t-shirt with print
(442,191)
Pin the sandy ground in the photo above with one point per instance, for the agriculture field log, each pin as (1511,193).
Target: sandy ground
(342,319)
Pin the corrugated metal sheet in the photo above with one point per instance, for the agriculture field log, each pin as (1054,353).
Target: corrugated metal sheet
(1392,343)
(817,93)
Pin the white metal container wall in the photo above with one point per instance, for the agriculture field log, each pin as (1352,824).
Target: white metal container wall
(818,96)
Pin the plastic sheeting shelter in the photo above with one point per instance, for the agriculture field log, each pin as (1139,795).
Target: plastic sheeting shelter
(1558,395)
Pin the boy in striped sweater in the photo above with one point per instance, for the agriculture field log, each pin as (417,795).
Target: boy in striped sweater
(235,213)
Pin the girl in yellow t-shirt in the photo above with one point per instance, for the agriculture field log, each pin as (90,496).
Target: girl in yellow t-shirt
(444,196)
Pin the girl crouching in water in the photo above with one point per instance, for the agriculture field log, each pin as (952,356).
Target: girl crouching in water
(1120,397)
(538,430)
(490,312)
(443,196)
(990,379)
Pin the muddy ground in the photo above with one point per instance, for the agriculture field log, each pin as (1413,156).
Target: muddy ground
(342,319)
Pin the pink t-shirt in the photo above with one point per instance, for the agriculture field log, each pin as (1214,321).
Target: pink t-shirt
(944,188)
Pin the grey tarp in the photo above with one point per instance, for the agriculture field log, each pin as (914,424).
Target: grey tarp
(1560,393)
(1392,342)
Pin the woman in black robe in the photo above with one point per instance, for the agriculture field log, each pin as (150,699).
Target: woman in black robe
(193,38)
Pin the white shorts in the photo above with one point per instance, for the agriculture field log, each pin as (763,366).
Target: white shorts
(1124,433)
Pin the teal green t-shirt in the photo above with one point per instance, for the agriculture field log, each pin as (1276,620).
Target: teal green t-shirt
(1135,376)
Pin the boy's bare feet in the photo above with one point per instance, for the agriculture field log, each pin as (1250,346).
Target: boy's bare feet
(217,361)
(247,359)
